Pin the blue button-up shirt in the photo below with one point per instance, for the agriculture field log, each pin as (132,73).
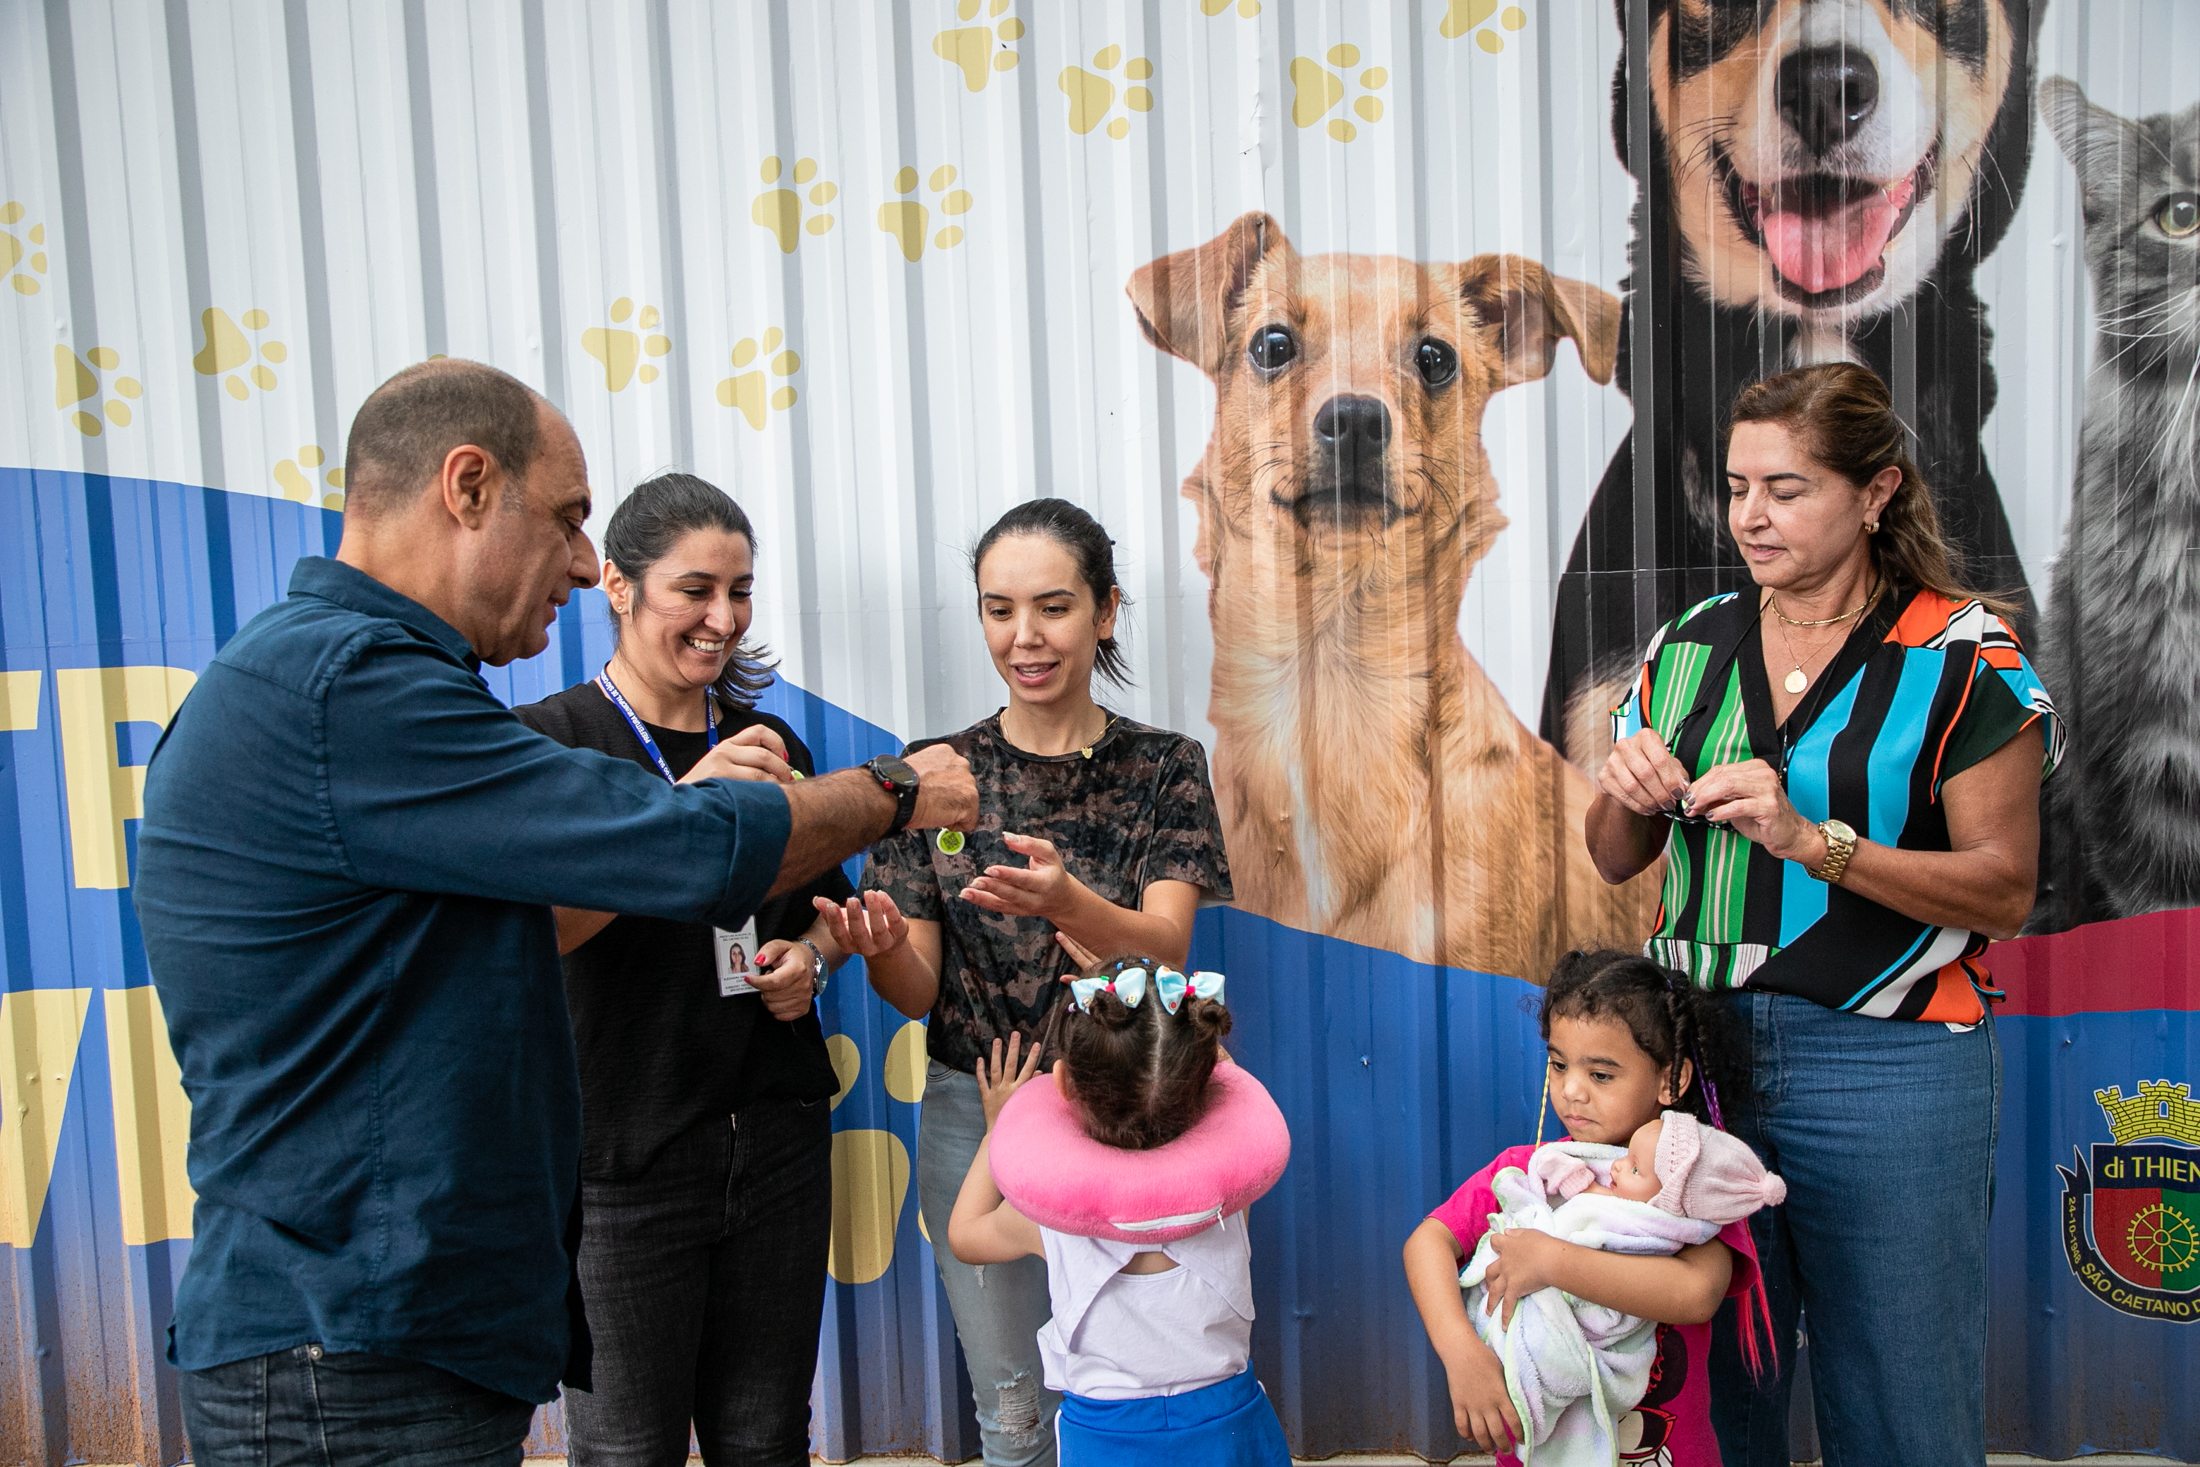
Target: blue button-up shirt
(345,870)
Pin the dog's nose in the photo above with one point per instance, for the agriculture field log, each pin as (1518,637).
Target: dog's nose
(1826,93)
(1355,429)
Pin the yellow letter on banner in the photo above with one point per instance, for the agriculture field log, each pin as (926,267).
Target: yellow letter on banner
(18,702)
(104,792)
(152,1119)
(39,1028)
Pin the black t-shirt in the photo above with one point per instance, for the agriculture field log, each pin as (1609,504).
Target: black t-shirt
(1133,809)
(660,1051)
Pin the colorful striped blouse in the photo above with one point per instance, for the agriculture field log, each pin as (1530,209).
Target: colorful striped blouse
(1924,688)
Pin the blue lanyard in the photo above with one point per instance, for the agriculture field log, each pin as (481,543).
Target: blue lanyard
(641,729)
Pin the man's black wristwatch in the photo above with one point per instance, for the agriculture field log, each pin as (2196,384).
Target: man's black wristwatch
(900,781)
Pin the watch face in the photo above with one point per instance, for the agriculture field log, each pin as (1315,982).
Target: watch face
(1841,828)
(895,769)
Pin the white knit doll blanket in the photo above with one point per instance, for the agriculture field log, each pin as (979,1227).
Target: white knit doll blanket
(1572,1368)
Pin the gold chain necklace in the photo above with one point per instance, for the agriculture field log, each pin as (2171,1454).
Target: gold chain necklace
(1798,680)
(1829,621)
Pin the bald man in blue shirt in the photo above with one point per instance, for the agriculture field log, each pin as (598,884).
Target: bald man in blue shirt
(345,873)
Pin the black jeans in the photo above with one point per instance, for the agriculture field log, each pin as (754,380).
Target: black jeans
(705,1283)
(307,1408)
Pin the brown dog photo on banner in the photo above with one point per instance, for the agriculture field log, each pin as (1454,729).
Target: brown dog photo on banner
(1372,781)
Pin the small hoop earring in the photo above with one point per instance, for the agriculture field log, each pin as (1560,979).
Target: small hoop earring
(1871,527)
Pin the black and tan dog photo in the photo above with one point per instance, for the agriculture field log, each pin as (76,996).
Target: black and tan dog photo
(1818,181)
(1372,781)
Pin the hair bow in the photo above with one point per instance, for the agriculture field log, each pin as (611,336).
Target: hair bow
(1173,985)
(1131,984)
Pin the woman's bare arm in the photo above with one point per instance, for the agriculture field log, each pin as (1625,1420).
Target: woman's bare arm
(1161,928)
(1984,882)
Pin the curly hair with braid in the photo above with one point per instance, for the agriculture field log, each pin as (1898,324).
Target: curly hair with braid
(1670,1019)
(1138,1076)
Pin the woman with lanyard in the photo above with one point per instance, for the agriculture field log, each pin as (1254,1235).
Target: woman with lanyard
(1842,770)
(1096,836)
(702,1259)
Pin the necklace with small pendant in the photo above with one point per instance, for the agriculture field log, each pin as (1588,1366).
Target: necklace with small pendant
(1798,680)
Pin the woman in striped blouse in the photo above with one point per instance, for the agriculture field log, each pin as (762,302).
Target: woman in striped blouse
(1842,770)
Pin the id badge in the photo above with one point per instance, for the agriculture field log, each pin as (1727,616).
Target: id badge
(736,953)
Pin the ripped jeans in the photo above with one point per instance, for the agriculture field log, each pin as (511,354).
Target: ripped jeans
(1000,1308)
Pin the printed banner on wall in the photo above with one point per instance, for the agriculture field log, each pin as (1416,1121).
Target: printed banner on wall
(1393,343)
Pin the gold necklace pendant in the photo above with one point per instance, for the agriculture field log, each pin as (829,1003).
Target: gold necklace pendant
(1797,680)
(1096,738)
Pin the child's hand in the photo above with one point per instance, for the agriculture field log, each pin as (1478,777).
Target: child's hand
(1003,1078)
(1480,1406)
(1525,1260)
(1084,957)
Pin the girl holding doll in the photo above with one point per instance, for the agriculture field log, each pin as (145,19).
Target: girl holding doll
(1627,1042)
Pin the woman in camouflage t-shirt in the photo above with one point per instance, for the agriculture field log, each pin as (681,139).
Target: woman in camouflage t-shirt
(1096,837)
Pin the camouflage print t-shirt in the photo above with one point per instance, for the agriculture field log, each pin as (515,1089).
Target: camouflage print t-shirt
(1137,811)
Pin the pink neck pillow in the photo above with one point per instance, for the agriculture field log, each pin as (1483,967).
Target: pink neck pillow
(1060,1178)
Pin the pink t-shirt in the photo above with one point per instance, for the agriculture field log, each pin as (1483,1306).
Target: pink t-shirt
(1672,1425)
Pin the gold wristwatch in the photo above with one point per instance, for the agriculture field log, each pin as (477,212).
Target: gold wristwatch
(1840,845)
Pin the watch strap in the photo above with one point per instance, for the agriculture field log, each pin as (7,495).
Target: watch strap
(904,793)
(1840,846)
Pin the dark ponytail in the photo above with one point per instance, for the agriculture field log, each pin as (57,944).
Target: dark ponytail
(1668,1017)
(645,527)
(1088,545)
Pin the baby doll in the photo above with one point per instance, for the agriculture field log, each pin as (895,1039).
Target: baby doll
(1574,1368)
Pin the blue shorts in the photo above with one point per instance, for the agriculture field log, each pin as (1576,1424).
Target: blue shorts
(1229,1424)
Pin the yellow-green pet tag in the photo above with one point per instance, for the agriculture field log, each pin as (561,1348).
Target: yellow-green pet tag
(950,842)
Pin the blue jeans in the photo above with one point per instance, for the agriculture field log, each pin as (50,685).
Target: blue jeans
(705,1284)
(999,1309)
(1884,1131)
(304,1407)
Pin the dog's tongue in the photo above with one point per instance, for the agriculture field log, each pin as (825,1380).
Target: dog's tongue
(1829,250)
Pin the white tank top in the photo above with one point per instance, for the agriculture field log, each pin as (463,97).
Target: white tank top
(1117,1336)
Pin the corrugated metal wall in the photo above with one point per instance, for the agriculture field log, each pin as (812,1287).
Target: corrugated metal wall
(862,264)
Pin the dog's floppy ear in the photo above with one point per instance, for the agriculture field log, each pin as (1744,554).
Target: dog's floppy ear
(1183,300)
(1532,308)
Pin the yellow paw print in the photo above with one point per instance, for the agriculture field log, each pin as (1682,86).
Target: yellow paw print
(909,220)
(1464,15)
(618,349)
(1092,97)
(780,209)
(1246,8)
(75,380)
(228,348)
(752,391)
(294,478)
(871,1167)
(980,50)
(1319,89)
(11,252)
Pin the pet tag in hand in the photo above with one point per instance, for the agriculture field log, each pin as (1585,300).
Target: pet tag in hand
(950,842)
